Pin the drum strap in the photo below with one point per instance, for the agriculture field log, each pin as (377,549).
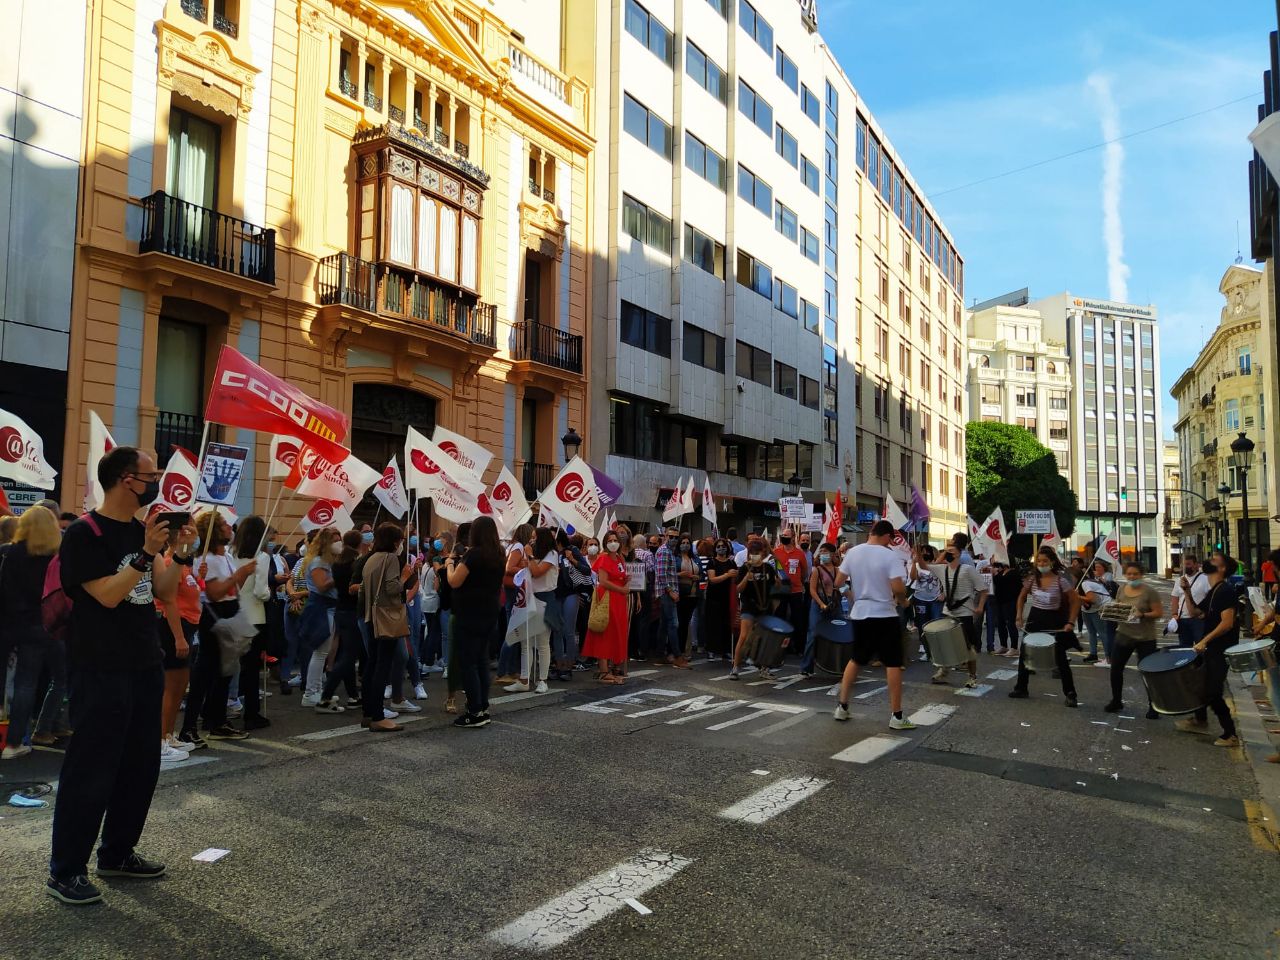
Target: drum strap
(952,603)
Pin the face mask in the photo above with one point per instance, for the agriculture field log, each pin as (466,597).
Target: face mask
(949,558)
(367,536)
(1137,579)
(613,546)
(755,560)
(413,543)
(437,544)
(1043,569)
(684,548)
(824,558)
(592,550)
(1210,568)
(150,490)
(336,548)
(786,541)
(722,551)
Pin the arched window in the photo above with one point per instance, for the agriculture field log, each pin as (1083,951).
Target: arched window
(985,361)
(1050,366)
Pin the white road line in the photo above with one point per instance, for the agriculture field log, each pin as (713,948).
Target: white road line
(345,731)
(788,681)
(781,724)
(688,705)
(932,713)
(870,693)
(700,712)
(626,699)
(872,748)
(640,673)
(191,761)
(564,917)
(527,695)
(766,804)
(981,690)
(1002,675)
(758,710)
(816,689)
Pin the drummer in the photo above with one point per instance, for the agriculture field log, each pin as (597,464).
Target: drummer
(1054,606)
(964,596)
(1138,633)
(1220,632)
(756,580)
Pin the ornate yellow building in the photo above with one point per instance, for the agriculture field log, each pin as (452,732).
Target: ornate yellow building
(384,204)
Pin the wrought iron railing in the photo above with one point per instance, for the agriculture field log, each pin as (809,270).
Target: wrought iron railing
(200,235)
(177,430)
(534,188)
(1210,449)
(196,9)
(547,345)
(536,477)
(348,88)
(461,149)
(225,26)
(349,280)
(372,100)
(548,195)
(441,137)
(395,113)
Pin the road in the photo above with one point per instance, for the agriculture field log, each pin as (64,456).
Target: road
(740,819)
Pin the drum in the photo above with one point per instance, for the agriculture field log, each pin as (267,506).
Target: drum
(1252,655)
(1174,680)
(945,640)
(833,644)
(769,633)
(1040,651)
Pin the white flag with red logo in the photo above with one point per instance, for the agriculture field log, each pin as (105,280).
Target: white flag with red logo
(975,532)
(505,502)
(1052,538)
(708,502)
(572,495)
(315,476)
(993,537)
(526,615)
(390,490)
(1111,548)
(100,444)
(429,471)
(893,513)
(467,453)
(327,513)
(284,454)
(676,507)
(22,454)
(178,485)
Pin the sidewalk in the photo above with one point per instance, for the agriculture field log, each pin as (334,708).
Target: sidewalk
(1252,721)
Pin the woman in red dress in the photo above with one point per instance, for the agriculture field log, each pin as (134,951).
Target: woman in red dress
(611,577)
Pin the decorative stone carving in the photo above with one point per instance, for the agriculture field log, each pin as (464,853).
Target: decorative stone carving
(542,229)
(204,68)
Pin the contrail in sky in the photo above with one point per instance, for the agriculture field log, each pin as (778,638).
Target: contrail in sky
(1112,176)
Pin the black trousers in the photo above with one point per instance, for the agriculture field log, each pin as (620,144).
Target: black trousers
(111,767)
(350,645)
(1120,654)
(795,610)
(1036,623)
(251,674)
(207,688)
(377,671)
(1006,614)
(470,650)
(1215,682)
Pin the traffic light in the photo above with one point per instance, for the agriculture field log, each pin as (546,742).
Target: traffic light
(1124,494)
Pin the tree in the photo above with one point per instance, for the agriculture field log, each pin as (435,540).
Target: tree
(1010,469)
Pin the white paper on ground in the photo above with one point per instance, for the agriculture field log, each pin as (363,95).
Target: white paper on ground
(761,773)
(637,906)
(210,855)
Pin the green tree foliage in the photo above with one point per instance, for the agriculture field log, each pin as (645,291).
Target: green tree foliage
(1010,469)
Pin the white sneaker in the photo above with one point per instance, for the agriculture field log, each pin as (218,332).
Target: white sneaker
(903,724)
(330,706)
(842,713)
(516,687)
(176,744)
(420,692)
(436,668)
(389,714)
(1106,664)
(406,706)
(310,700)
(170,755)
(13,753)
(386,694)
(541,687)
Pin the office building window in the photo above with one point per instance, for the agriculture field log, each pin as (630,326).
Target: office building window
(784,380)
(704,161)
(1232,415)
(645,329)
(809,103)
(755,191)
(635,428)
(646,126)
(787,71)
(1057,430)
(755,26)
(754,364)
(754,275)
(880,406)
(646,28)
(990,392)
(646,225)
(1027,422)
(785,222)
(808,393)
(1025,398)
(703,348)
(703,252)
(809,244)
(809,315)
(785,144)
(785,299)
(705,72)
(754,107)
(809,173)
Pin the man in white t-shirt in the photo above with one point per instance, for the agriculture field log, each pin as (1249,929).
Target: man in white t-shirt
(877,588)
(1189,593)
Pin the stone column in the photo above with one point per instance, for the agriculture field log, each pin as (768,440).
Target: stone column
(308,210)
(361,56)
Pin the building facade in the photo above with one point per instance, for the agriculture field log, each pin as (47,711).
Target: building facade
(1172,557)
(1116,422)
(774,303)
(1018,375)
(42,85)
(1221,395)
(387,205)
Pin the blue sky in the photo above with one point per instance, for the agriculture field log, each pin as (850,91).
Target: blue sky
(969,89)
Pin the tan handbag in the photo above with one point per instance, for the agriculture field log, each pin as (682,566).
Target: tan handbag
(386,602)
(598,618)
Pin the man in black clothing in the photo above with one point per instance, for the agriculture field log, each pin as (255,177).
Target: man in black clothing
(116,677)
(1220,632)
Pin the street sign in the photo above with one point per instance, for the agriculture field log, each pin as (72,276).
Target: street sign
(21,497)
(1035,521)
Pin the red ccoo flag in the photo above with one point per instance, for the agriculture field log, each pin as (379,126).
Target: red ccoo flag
(247,396)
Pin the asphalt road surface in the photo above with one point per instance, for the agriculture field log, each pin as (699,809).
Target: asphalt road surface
(686,815)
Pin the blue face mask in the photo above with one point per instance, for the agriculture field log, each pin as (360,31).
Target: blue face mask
(437,545)
(413,543)
(367,536)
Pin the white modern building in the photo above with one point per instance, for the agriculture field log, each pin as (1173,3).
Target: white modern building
(1117,429)
(774,303)
(1018,375)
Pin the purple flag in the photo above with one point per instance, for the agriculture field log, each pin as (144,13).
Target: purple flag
(919,509)
(610,489)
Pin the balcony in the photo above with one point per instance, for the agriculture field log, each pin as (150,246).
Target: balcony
(372,100)
(200,235)
(224,26)
(395,113)
(1210,449)
(176,430)
(523,64)
(544,344)
(441,137)
(383,291)
(536,477)
(198,10)
(534,188)
(348,88)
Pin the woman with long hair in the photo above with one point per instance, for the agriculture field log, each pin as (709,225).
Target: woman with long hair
(384,579)
(544,577)
(609,646)
(825,600)
(250,532)
(1137,634)
(21,587)
(476,582)
(181,620)
(718,610)
(315,631)
(1055,602)
(517,560)
(346,628)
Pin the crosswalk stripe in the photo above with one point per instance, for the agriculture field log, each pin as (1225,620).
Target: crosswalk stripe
(981,690)
(345,730)
(781,724)
(765,804)
(564,917)
(1002,675)
(870,693)
(932,713)
(872,748)
(187,764)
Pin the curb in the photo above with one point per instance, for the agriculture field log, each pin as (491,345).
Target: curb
(1264,826)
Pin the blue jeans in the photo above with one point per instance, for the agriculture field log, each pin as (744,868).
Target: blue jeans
(291,623)
(415,639)
(1190,631)
(509,655)
(36,651)
(567,651)
(815,618)
(1100,629)
(434,649)
(669,625)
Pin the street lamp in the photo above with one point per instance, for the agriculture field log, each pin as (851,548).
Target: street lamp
(1242,459)
(794,483)
(571,442)
(1224,499)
